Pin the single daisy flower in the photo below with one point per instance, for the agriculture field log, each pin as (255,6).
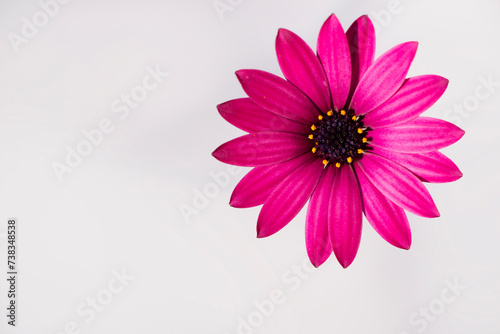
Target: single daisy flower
(344,132)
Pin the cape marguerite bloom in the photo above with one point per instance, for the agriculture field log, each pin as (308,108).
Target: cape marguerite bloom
(343,132)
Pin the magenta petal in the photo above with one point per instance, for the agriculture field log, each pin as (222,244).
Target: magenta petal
(301,67)
(399,185)
(262,148)
(345,215)
(288,198)
(259,183)
(248,116)
(423,134)
(277,95)
(413,98)
(317,237)
(333,51)
(432,167)
(388,219)
(383,78)
(361,39)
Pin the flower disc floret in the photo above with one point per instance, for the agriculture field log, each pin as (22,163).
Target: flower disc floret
(340,137)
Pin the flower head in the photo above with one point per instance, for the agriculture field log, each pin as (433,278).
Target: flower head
(344,132)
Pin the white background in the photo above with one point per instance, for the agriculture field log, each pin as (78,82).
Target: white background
(120,208)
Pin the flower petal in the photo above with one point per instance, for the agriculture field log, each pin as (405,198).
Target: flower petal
(259,183)
(399,185)
(383,78)
(333,51)
(432,167)
(248,116)
(317,237)
(361,40)
(345,216)
(413,98)
(388,219)
(301,67)
(262,148)
(288,198)
(277,95)
(423,134)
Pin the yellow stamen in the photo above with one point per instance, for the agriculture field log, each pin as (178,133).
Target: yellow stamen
(316,143)
(365,140)
(320,117)
(313,127)
(354,118)
(342,112)
(314,150)
(360,131)
(325,162)
(349,159)
(337,165)
(360,151)
(329,113)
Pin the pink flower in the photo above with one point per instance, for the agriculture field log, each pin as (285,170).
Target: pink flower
(343,132)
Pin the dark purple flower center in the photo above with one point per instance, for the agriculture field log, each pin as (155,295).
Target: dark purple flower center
(340,137)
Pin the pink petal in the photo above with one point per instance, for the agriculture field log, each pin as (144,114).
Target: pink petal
(301,67)
(361,40)
(317,237)
(388,219)
(432,167)
(399,185)
(262,148)
(259,183)
(413,98)
(333,51)
(288,198)
(383,78)
(248,116)
(278,96)
(423,134)
(345,216)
